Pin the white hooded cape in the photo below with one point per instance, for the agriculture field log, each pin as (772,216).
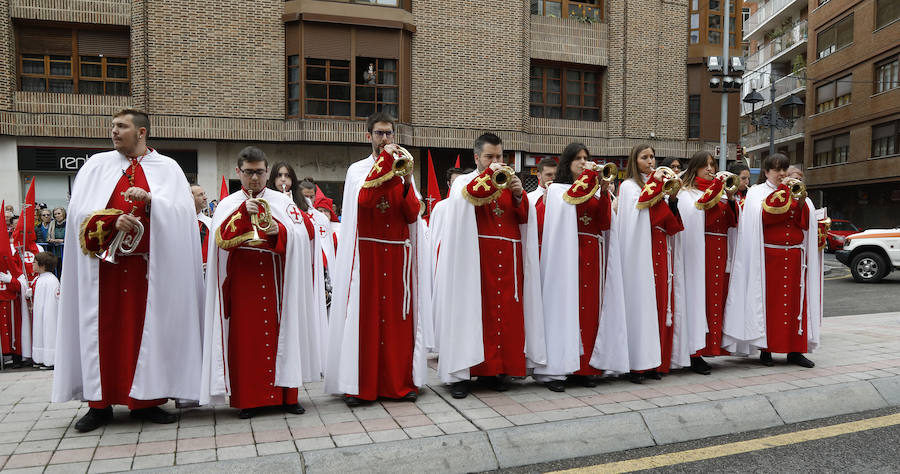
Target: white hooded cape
(170,355)
(637,279)
(342,372)
(745,308)
(457,289)
(46,308)
(299,355)
(559,277)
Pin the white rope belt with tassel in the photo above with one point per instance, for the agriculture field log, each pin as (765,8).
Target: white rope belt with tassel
(407,262)
(515,260)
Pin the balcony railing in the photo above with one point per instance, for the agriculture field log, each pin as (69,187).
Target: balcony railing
(760,138)
(763,13)
(791,84)
(799,33)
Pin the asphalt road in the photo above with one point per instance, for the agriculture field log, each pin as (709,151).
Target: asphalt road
(844,296)
(869,451)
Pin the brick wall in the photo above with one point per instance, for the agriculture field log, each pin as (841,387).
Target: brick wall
(7,58)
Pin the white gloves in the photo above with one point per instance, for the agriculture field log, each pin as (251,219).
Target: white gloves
(5,277)
(28,293)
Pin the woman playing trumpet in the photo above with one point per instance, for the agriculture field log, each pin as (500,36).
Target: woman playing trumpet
(774,297)
(648,218)
(578,214)
(707,207)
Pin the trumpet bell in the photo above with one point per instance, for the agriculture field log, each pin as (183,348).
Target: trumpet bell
(403,162)
(502,177)
(261,221)
(731,181)
(798,189)
(671,182)
(609,172)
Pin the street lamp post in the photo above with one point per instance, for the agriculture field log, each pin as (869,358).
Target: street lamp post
(773,120)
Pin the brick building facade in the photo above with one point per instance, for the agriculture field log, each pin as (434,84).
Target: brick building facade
(290,77)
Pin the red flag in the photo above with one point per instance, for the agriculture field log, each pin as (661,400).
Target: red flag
(26,221)
(434,192)
(223,192)
(7,262)
(457,162)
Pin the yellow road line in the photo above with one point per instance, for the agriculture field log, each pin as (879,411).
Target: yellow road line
(739,447)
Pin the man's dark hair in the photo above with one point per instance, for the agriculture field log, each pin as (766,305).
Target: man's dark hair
(307,184)
(251,154)
(138,118)
(379,117)
(545,162)
(737,168)
(453,171)
(488,138)
(46,260)
(310,179)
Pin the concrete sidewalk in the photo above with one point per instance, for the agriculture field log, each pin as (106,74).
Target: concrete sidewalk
(856,370)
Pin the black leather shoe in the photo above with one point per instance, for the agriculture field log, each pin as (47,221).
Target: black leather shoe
(154,415)
(410,397)
(765,358)
(699,366)
(294,409)
(652,374)
(247,413)
(635,377)
(352,402)
(556,386)
(460,389)
(797,358)
(589,381)
(95,418)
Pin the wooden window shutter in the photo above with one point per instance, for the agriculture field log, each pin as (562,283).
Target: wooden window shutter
(326,41)
(38,40)
(378,43)
(292,39)
(115,44)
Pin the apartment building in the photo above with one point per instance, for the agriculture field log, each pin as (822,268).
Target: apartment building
(298,77)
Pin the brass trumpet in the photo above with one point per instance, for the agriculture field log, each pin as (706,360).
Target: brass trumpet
(123,243)
(671,181)
(260,222)
(798,189)
(403,162)
(608,172)
(502,177)
(731,181)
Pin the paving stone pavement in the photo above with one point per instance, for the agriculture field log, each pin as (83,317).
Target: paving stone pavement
(859,358)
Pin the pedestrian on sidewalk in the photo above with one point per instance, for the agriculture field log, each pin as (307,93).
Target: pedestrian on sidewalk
(45,304)
(774,297)
(129,320)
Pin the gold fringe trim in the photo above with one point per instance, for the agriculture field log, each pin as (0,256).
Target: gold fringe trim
(777,210)
(650,203)
(705,206)
(233,242)
(578,200)
(84,224)
(480,201)
(378,181)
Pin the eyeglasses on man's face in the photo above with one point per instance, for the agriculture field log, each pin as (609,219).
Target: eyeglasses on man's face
(383,133)
(251,173)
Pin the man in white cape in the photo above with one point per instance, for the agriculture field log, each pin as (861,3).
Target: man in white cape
(168,346)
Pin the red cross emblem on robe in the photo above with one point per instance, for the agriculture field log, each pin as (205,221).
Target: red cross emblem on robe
(779,201)
(382,171)
(711,196)
(651,194)
(481,190)
(235,230)
(583,188)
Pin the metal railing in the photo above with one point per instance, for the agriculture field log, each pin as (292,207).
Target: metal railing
(761,136)
(763,13)
(799,33)
(790,84)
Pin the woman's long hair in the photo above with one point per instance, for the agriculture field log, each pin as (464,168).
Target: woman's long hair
(631,168)
(564,170)
(296,195)
(777,161)
(698,160)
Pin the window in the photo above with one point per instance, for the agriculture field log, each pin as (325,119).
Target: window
(695,28)
(745,14)
(886,76)
(831,150)
(579,87)
(713,4)
(376,86)
(387,3)
(885,138)
(587,10)
(694,116)
(293,86)
(835,37)
(886,11)
(327,87)
(71,60)
(834,94)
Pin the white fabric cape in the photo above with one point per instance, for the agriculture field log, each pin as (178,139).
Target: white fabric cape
(299,353)
(535,195)
(435,227)
(560,284)
(637,279)
(342,372)
(745,308)
(170,355)
(46,307)
(204,219)
(690,278)
(457,289)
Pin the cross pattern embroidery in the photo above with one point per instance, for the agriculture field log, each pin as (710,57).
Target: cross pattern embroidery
(383,205)
(779,196)
(497,210)
(582,183)
(376,168)
(709,192)
(99,233)
(482,183)
(232,223)
(585,219)
(649,188)
(294,212)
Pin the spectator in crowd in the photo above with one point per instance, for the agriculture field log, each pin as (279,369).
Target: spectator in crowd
(9,213)
(795,172)
(56,235)
(674,163)
(42,228)
(308,189)
(743,173)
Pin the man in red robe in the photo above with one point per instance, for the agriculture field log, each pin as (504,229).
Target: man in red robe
(509,301)
(203,221)
(12,285)
(260,268)
(133,298)
(377,338)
